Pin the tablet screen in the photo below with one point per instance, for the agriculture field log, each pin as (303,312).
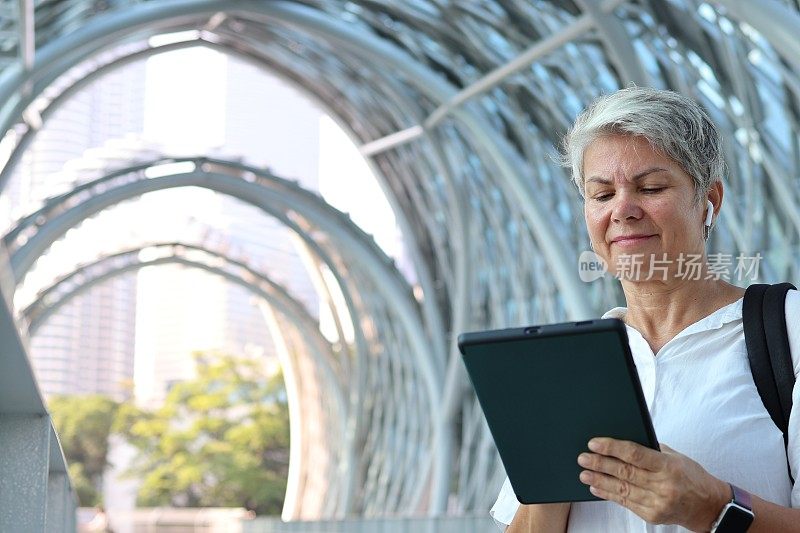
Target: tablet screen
(547,390)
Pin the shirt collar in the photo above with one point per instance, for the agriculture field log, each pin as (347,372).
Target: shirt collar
(715,320)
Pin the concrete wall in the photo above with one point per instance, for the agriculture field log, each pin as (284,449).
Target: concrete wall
(35,490)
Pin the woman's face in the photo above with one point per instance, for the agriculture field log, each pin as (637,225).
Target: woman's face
(640,203)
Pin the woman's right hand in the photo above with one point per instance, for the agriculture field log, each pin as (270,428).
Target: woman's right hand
(540,518)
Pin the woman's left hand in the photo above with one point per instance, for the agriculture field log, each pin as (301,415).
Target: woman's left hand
(663,487)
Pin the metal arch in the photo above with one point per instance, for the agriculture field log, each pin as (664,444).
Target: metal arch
(68,50)
(785,196)
(278,296)
(432,315)
(576,28)
(27,40)
(431,312)
(301,480)
(261,58)
(30,133)
(296,199)
(364,46)
(39,311)
(493,149)
(93,204)
(453,378)
(358,393)
(392,483)
(83,190)
(615,37)
(23,257)
(265,288)
(326,294)
(299,406)
(771,18)
(9,21)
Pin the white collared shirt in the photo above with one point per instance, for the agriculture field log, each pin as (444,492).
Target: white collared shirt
(704,404)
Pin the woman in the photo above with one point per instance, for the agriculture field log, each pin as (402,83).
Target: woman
(648,164)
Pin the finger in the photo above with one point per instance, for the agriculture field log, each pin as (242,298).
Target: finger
(617,490)
(645,511)
(629,452)
(615,467)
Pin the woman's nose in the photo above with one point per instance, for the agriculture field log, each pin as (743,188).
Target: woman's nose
(626,208)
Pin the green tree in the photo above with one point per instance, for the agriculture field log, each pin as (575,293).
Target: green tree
(83,423)
(221,439)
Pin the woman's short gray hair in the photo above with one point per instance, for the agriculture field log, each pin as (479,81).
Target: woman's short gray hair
(673,124)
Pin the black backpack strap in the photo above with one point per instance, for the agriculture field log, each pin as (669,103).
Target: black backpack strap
(764,322)
(778,346)
(758,353)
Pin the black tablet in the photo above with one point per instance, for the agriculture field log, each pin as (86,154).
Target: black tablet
(546,390)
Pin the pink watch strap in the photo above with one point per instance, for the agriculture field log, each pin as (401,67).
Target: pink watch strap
(742,497)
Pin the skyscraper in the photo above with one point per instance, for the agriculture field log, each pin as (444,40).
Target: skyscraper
(87,346)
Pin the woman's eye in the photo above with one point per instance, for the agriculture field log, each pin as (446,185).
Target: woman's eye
(603,197)
(652,190)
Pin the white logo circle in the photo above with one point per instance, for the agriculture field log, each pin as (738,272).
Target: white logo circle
(590,266)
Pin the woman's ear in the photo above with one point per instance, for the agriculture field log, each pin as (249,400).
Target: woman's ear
(713,204)
(715,194)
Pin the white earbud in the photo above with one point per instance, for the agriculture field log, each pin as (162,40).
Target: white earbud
(709,213)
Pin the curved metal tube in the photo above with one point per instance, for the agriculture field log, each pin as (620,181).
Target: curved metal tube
(289,196)
(277,296)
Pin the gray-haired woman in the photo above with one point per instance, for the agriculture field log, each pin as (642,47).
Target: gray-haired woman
(649,165)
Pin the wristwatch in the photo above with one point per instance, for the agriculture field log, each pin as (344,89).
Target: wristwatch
(737,515)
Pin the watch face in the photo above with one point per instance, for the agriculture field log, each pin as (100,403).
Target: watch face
(736,519)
